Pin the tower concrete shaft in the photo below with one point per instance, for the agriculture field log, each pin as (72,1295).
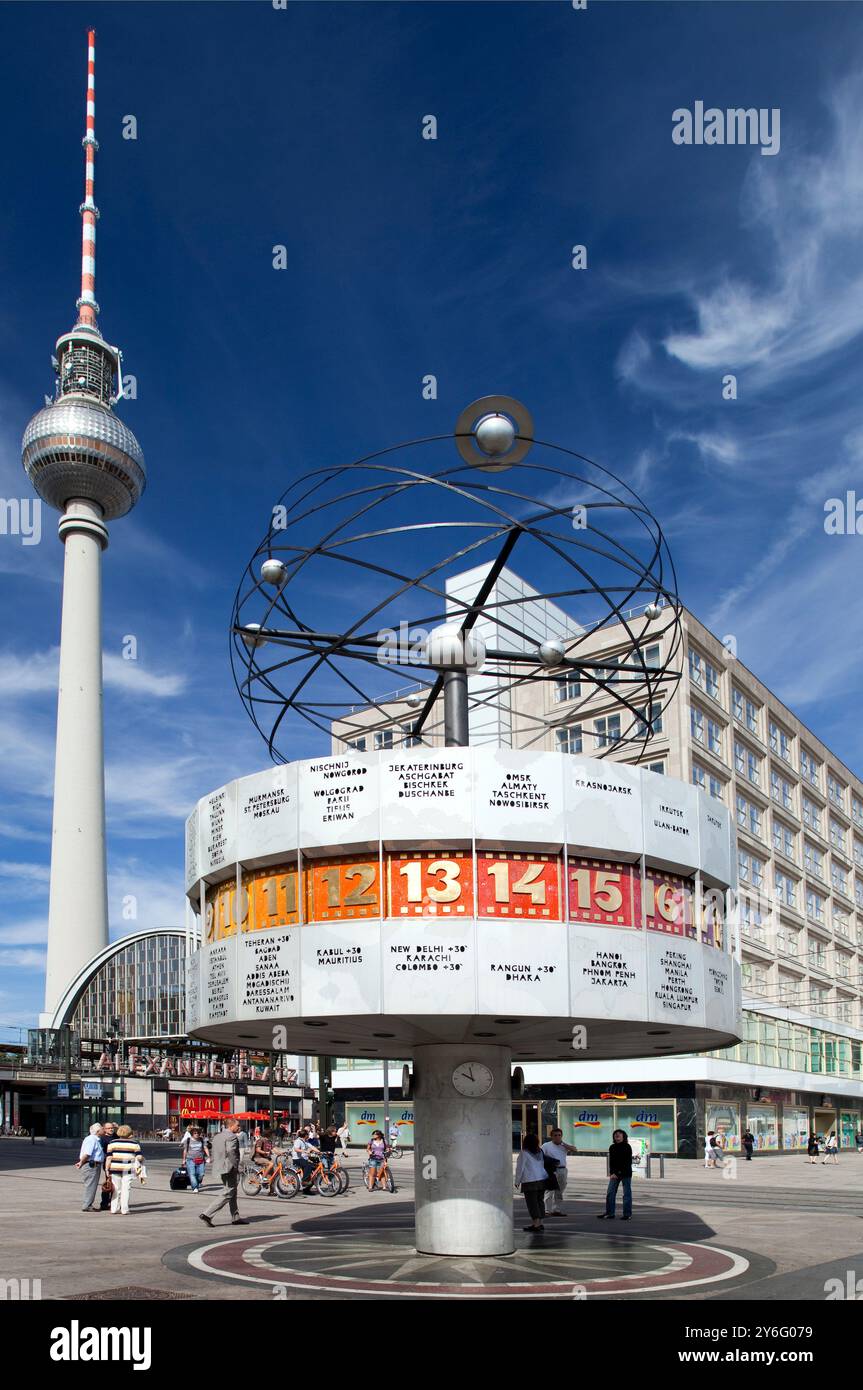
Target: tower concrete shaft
(78,906)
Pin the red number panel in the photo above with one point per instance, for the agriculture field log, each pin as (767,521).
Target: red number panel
(669,904)
(602,890)
(430,885)
(520,884)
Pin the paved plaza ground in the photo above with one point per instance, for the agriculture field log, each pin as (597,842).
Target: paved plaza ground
(776,1228)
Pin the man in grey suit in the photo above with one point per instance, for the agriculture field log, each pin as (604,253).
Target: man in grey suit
(225,1154)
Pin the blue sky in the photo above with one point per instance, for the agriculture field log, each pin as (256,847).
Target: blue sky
(407,257)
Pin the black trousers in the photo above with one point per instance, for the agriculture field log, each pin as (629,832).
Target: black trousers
(534,1195)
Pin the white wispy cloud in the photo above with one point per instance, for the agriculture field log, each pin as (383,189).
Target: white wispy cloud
(37,674)
(806,212)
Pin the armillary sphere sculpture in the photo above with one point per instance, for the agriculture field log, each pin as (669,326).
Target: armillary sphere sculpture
(418,555)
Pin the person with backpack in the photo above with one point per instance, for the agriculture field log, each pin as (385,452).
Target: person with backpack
(620,1172)
(195,1156)
(530,1176)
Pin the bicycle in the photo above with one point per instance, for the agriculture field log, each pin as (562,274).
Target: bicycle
(383,1176)
(283,1179)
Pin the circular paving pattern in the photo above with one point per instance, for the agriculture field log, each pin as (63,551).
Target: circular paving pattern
(374,1262)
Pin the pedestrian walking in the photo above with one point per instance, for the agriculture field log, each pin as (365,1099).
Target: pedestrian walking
(620,1170)
(195,1155)
(713,1150)
(858,1139)
(225,1157)
(90,1159)
(344,1134)
(109,1132)
(831,1148)
(555,1148)
(812,1148)
(530,1176)
(748,1145)
(124,1163)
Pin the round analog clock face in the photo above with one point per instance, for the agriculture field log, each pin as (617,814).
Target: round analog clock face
(473,1079)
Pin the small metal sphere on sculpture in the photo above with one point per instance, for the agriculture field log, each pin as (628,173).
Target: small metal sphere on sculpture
(547,593)
(495,434)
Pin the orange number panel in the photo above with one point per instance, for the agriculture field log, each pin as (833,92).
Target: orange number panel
(270,898)
(430,885)
(342,889)
(669,904)
(602,890)
(519,884)
(221,919)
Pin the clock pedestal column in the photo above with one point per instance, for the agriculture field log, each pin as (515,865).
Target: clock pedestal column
(463,1150)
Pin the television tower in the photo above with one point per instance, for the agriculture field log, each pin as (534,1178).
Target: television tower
(81,459)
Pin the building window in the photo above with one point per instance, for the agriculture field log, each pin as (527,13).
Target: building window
(717,790)
(789,990)
(817,954)
(567,687)
(780,742)
(786,888)
(839,879)
(843,965)
(650,719)
(607,730)
(809,767)
(655,767)
(814,906)
(749,816)
(841,923)
(857,808)
(699,778)
(781,791)
(384,738)
(858,892)
(750,869)
(754,977)
(745,711)
(569,740)
(747,763)
(842,1010)
(812,815)
(714,737)
(409,738)
(813,860)
(835,790)
(696,724)
(696,668)
(358,744)
(784,839)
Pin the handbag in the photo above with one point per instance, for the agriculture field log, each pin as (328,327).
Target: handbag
(108,1187)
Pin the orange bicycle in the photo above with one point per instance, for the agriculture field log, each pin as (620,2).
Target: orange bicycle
(382,1176)
(278,1177)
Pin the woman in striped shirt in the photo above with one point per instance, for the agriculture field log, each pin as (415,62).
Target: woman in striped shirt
(124,1160)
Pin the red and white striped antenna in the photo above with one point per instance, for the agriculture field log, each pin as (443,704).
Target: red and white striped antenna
(87,307)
